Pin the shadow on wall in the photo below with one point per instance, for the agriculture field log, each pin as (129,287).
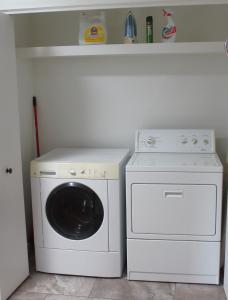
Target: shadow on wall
(221,149)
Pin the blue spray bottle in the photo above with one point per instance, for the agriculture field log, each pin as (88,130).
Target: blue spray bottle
(130,30)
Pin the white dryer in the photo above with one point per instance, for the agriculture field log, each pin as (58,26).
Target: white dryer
(78,211)
(174,205)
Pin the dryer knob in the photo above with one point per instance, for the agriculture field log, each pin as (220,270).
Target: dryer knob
(194,141)
(184,141)
(151,141)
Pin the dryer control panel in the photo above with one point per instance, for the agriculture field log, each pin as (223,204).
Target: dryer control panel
(175,140)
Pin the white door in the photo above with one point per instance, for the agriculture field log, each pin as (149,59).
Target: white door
(13,245)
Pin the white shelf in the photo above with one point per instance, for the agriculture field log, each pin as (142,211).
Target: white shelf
(28,6)
(122,49)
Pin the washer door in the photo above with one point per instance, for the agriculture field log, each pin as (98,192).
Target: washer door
(74,211)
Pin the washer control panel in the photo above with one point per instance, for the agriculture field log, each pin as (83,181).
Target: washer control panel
(87,173)
(75,170)
(183,140)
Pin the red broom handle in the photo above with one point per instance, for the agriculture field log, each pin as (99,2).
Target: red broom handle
(36,126)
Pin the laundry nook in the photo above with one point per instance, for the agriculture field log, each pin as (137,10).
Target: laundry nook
(113,153)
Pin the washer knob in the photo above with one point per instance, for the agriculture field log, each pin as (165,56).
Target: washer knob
(72,172)
(206,142)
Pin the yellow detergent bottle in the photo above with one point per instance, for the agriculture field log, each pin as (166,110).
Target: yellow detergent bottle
(92,29)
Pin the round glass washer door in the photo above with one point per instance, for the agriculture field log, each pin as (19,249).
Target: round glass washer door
(74,211)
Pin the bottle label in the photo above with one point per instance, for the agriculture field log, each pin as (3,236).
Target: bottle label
(94,34)
(169,32)
(149,34)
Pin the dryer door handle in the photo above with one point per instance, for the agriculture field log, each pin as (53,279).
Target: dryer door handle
(173,194)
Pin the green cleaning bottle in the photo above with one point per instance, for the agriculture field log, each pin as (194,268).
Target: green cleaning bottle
(149,29)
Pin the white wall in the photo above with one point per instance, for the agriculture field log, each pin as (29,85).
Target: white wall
(102,101)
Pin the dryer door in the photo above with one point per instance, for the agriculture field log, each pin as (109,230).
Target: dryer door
(180,210)
(75,214)
(74,211)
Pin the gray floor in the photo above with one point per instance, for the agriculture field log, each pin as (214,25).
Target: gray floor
(41,286)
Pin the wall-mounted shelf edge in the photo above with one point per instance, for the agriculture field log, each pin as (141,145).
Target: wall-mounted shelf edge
(18,7)
(122,49)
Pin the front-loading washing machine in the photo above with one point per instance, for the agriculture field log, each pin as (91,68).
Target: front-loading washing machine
(174,205)
(78,211)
